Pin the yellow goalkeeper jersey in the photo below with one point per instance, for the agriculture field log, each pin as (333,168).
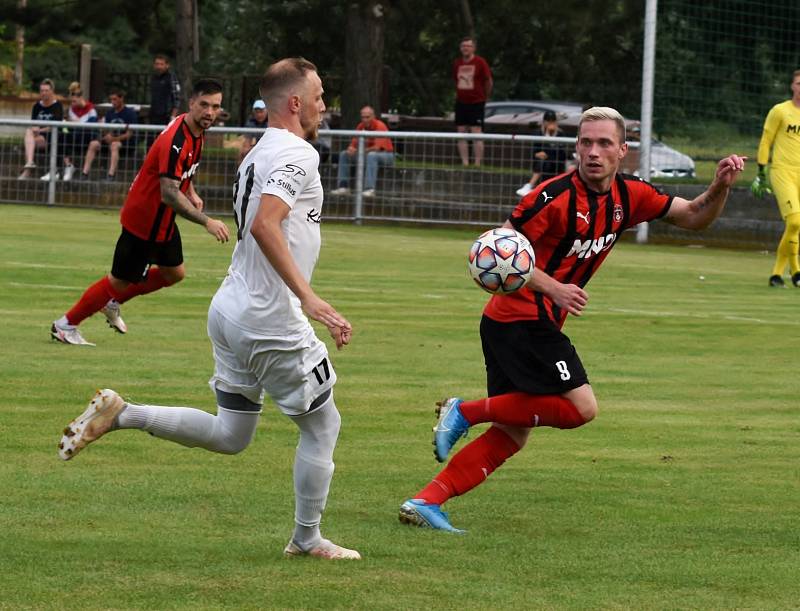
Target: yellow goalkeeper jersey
(782,135)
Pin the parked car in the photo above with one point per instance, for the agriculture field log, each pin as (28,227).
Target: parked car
(525,116)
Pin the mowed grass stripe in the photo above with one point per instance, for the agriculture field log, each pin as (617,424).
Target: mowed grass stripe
(682,494)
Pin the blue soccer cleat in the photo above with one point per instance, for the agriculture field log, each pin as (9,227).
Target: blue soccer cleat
(417,512)
(449,429)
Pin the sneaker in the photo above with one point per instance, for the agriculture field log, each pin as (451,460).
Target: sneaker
(777,281)
(114,320)
(340,191)
(26,172)
(46,177)
(369,193)
(69,171)
(326,550)
(96,420)
(796,279)
(110,178)
(417,512)
(69,335)
(449,429)
(525,189)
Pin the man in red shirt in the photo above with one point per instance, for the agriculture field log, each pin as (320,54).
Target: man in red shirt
(473,80)
(534,375)
(380,152)
(149,253)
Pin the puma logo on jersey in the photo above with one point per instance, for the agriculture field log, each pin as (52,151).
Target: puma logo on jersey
(546,196)
(314,216)
(584,249)
(177,149)
(584,217)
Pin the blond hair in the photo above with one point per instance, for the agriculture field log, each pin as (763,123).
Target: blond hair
(604,113)
(75,88)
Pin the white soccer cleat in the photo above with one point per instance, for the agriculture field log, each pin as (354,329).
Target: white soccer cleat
(68,335)
(326,550)
(96,420)
(111,312)
(525,189)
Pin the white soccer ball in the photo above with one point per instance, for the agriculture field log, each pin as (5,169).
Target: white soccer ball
(501,261)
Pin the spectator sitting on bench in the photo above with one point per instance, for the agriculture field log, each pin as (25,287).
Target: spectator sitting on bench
(380,152)
(47,108)
(258,119)
(118,141)
(73,140)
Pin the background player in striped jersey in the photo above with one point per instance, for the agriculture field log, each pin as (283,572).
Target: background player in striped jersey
(258,319)
(149,253)
(534,375)
(781,136)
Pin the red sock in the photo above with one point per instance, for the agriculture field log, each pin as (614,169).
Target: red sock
(522,409)
(154,281)
(470,467)
(92,300)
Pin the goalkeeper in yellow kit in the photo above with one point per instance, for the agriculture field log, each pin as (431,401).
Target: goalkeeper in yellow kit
(782,136)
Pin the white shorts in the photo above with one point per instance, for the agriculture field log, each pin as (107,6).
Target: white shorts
(293,371)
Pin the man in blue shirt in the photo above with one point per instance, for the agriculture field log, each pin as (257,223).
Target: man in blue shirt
(119,140)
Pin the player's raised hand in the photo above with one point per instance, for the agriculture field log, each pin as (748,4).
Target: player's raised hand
(218,229)
(728,169)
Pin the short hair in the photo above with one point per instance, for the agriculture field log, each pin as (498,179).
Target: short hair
(795,74)
(161,56)
(117,92)
(49,82)
(206,86)
(603,113)
(283,76)
(470,38)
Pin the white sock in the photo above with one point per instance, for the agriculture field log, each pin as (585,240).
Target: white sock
(313,471)
(63,323)
(229,432)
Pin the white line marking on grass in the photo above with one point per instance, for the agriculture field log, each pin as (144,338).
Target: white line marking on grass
(53,287)
(662,314)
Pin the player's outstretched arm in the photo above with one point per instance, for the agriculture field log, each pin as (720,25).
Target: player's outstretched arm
(266,229)
(172,196)
(700,212)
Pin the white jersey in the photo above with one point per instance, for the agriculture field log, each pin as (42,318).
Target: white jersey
(253,296)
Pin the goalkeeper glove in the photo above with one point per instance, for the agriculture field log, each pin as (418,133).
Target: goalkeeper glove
(760,186)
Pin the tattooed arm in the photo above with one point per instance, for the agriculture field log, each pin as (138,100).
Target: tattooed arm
(172,196)
(700,212)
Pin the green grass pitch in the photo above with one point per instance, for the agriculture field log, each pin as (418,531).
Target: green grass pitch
(683,494)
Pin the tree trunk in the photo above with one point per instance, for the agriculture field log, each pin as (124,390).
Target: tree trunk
(20,44)
(362,81)
(466,17)
(184,44)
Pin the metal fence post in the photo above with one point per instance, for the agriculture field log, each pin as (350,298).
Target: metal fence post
(646,124)
(51,184)
(359,203)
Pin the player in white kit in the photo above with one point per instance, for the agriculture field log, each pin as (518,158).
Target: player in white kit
(258,319)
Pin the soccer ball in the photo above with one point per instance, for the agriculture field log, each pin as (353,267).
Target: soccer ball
(501,261)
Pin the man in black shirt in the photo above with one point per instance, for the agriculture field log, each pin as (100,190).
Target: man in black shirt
(47,108)
(165,95)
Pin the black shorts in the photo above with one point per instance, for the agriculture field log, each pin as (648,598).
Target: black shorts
(470,114)
(133,256)
(530,356)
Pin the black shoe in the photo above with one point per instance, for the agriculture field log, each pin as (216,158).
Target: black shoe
(796,279)
(777,280)
(111,178)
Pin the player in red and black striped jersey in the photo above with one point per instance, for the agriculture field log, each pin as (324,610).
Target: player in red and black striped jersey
(534,375)
(149,253)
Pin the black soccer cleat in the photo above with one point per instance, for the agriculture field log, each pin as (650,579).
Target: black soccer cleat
(777,281)
(796,279)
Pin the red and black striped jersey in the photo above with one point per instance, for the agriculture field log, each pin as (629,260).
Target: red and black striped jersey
(174,154)
(572,230)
